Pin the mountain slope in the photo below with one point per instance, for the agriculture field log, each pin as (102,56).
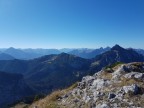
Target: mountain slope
(49,72)
(57,71)
(117,54)
(4,56)
(140,51)
(12,88)
(14,66)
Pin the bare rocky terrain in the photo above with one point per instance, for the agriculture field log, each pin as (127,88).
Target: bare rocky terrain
(120,86)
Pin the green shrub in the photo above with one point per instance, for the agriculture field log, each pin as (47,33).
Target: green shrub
(113,65)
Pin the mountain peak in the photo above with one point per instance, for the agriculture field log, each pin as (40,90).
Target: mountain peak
(63,53)
(12,48)
(117,47)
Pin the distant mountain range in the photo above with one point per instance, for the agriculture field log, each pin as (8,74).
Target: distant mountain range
(140,51)
(48,73)
(88,53)
(26,54)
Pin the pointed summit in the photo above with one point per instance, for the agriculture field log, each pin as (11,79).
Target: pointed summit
(119,54)
(63,53)
(117,47)
(16,53)
(11,48)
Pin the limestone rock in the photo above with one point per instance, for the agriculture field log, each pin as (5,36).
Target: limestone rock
(133,88)
(104,105)
(134,75)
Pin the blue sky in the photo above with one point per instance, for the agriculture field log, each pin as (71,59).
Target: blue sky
(71,23)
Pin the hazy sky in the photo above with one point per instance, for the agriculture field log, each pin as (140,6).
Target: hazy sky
(71,23)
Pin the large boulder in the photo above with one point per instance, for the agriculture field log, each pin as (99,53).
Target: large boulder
(100,84)
(103,105)
(137,75)
(133,88)
(118,73)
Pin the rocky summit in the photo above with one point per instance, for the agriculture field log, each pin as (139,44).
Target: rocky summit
(115,87)
(120,86)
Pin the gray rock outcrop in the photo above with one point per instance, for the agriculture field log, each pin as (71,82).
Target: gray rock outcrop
(109,89)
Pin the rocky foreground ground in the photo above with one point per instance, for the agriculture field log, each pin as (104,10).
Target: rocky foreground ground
(120,86)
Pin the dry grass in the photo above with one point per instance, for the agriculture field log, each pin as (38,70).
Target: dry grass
(21,105)
(106,75)
(47,102)
(117,66)
(51,101)
(72,87)
(130,81)
(127,82)
(138,100)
